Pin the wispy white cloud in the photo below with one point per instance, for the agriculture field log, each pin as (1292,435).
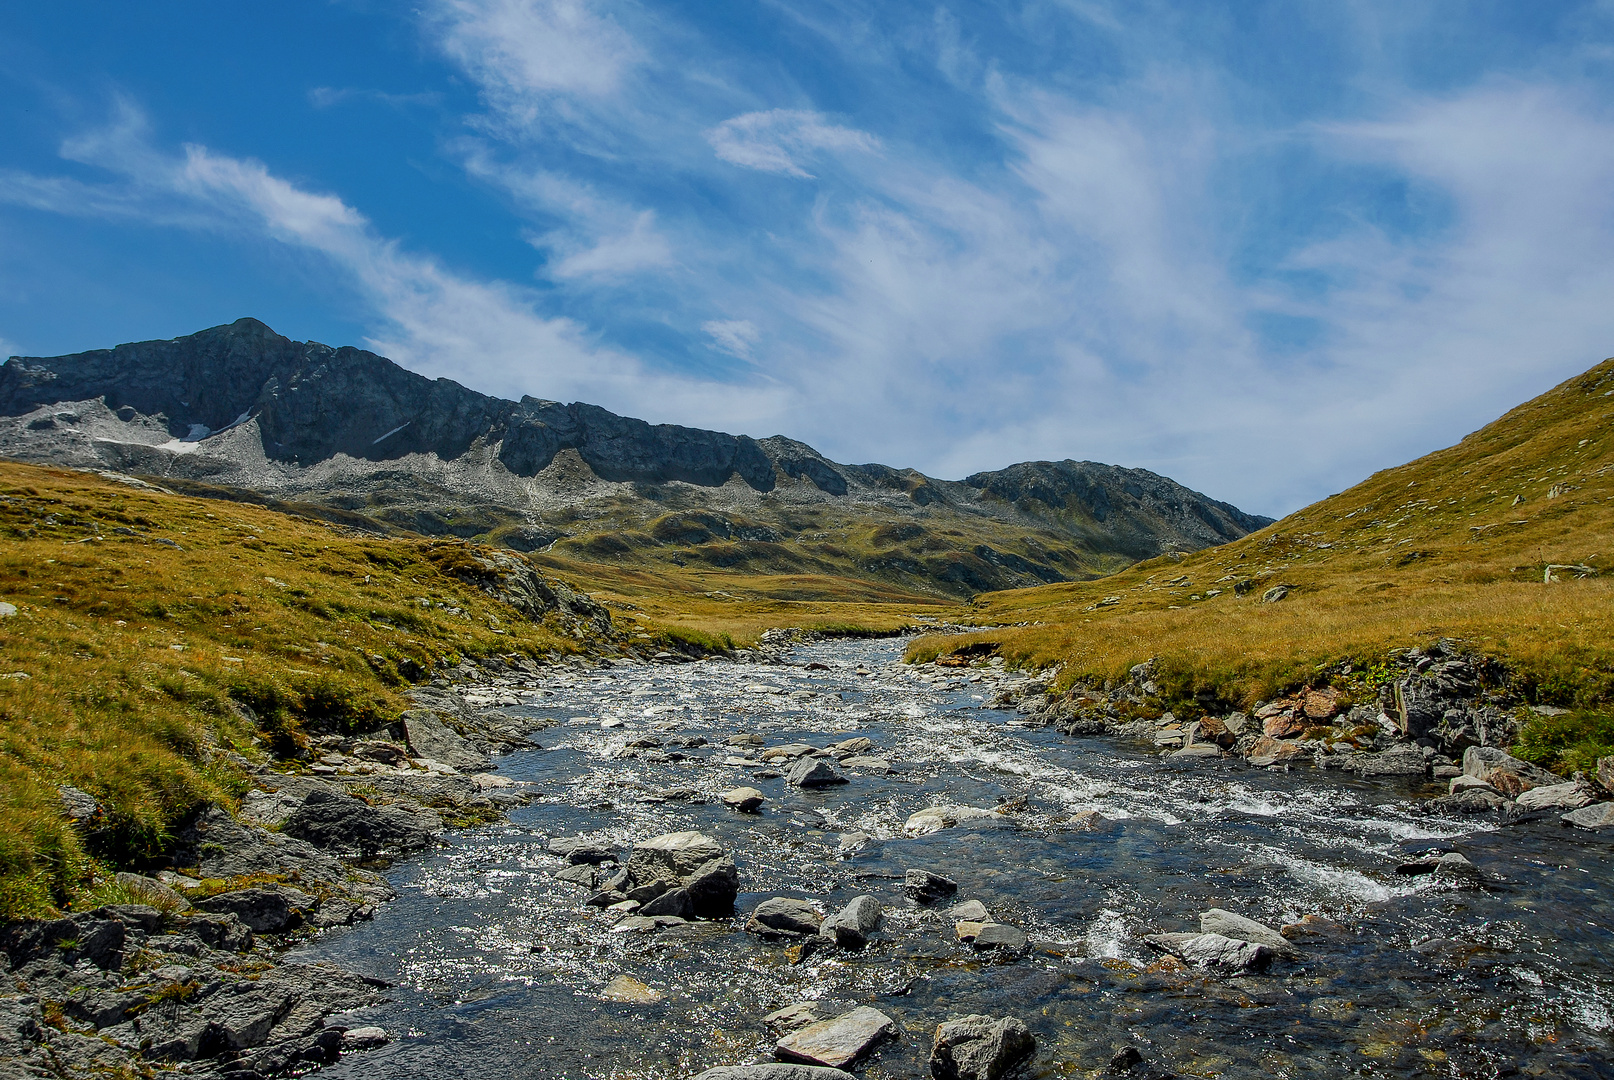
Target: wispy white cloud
(733,336)
(521,52)
(327,97)
(779,140)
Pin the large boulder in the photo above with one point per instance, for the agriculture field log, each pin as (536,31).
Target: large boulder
(979,1047)
(1483,761)
(347,826)
(1595,816)
(1570,796)
(271,910)
(430,738)
(690,862)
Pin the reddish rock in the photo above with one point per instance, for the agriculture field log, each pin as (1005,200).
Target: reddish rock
(1321,704)
(1284,725)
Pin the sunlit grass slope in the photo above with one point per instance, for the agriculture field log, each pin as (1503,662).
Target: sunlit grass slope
(152,630)
(1455,544)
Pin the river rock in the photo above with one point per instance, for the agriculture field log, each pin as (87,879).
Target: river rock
(364,1038)
(1570,796)
(578,850)
(837,1042)
(430,738)
(970,910)
(1480,761)
(343,825)
(747,800)
(627,989)
(1000,936)
(791,1017)
(1456,871)
(1405,762)
(784,915)
(1230,924)
(927,888)
(851,926)
(1221,954)
(674,902)
(813,773)
(1605,773)
(979,1047)
(936,818)
(1464,782)
(1596,816)
(867,763)
(1473,800)
(712,888)
(274,909)
(774,1070)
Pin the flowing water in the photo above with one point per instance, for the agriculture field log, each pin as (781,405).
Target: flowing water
(500,969)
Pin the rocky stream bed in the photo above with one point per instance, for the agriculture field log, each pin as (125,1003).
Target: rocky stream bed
(821,856)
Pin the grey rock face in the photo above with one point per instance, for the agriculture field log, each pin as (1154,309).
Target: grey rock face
(1479,760)
(337,822)
(979,1047)
(272,910)
(582,849)
(430,738)
(1570,796)
(300,419)
(1596,816)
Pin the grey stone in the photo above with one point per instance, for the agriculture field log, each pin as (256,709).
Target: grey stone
(583,849)
(675,902)
(788,1019)
(584,874)
(979,1047)
(273,909)
(671,856)
(1223,955)
(774,1070)
(851,926)
(1000,936)
(813,773)
(747,800)
(1480,760)
(838,1042)
(867,763)
(784,915)
(1473,800)
(712,888)
(225,932)
(1406,762)
(364,1038)
(347,826)
(1570,796)
(77,804)
(430,738)
(1455,870)
(1232,925)
(1595,816)
(926,887)
(970,911)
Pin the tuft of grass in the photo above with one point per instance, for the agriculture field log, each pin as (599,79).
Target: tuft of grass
(1564,744)
(1453,545)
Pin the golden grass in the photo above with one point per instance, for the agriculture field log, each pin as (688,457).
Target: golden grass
(1454,544)
(154,630)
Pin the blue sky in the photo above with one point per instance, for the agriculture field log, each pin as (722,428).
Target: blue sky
(1262,248)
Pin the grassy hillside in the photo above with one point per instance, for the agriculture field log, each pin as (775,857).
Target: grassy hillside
(153,631)
(1455,544)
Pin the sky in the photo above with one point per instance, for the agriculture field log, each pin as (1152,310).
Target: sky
(1262,248)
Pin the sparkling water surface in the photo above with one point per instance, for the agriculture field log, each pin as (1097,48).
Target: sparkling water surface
(500,968)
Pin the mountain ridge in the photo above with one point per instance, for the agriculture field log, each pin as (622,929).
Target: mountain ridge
(242,406)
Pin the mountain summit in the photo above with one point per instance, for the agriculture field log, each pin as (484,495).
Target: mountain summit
(242,407)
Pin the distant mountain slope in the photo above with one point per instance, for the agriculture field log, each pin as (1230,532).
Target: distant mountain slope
(1505,540)
(241,407)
